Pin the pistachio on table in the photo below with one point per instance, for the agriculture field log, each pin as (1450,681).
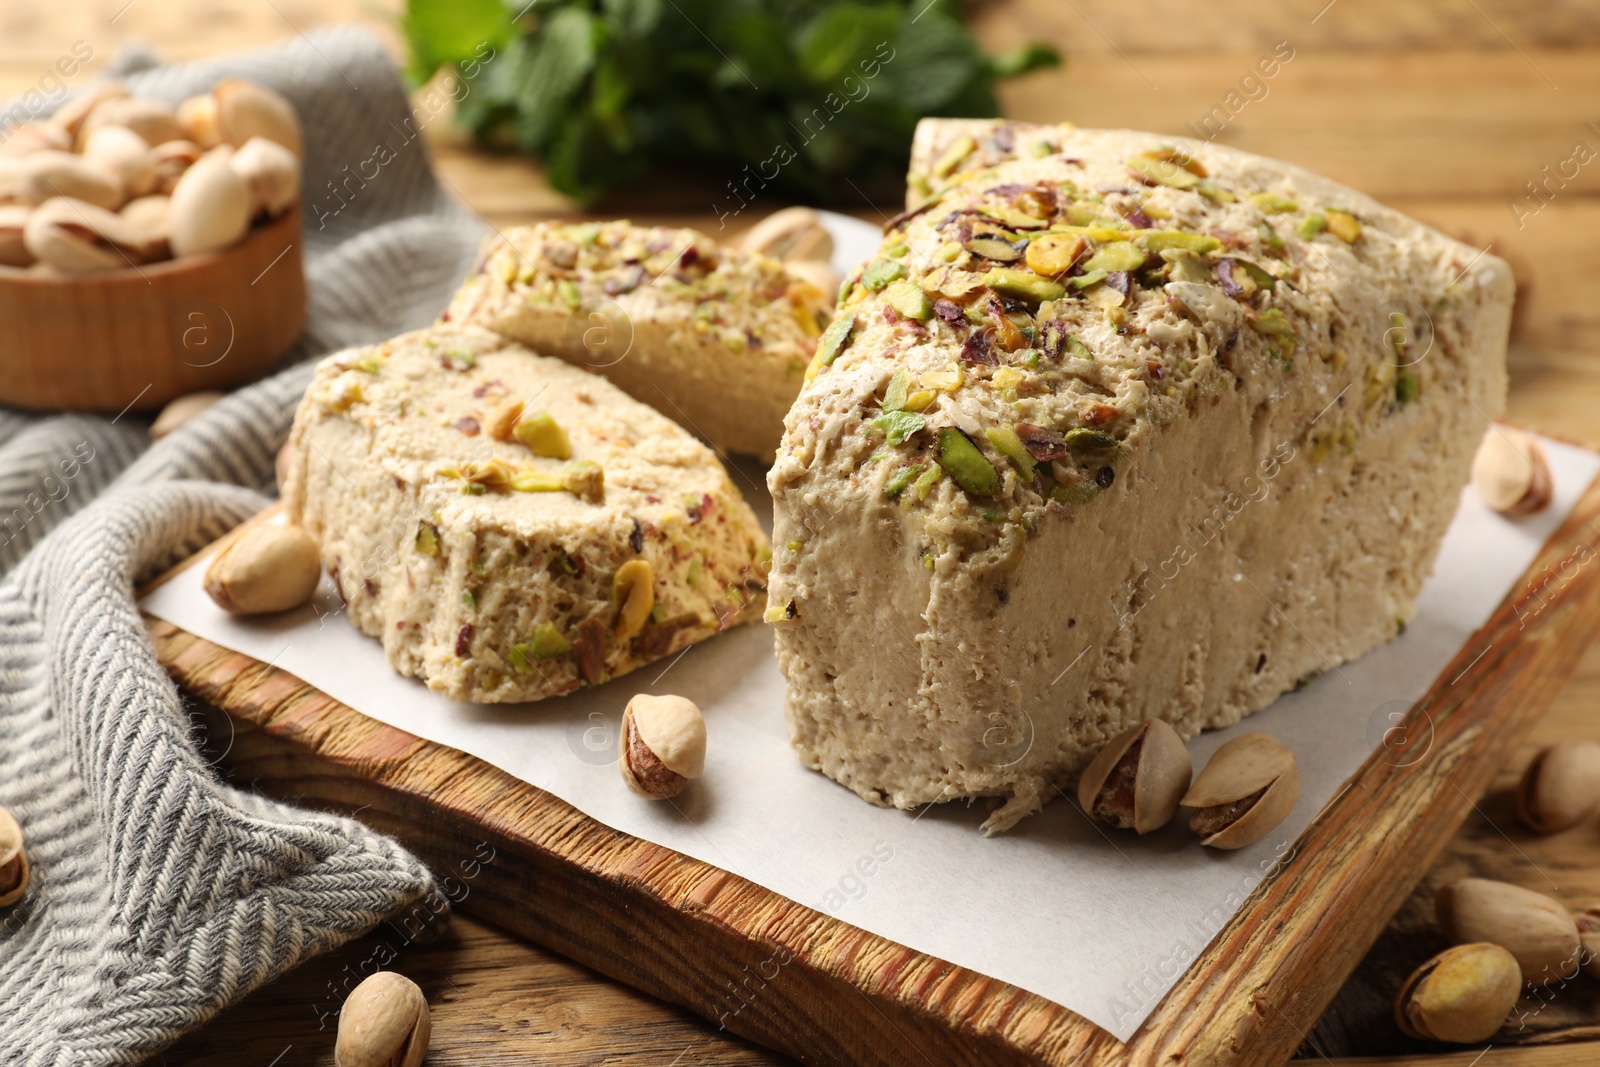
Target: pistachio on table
(384,1023)
(795,233)
(1561,787)
(269,568)
(1463,995)
(1510,472)
(13,861)
(1588,922)
(662,745)
(1137,780)
(1535,929)
(1249,786)
(181,410)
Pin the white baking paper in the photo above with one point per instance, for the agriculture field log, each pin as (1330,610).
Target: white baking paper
(1098,921)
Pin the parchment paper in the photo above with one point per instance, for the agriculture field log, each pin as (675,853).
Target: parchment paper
(1100,922)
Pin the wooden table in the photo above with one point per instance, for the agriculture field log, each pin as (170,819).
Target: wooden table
(1444,111)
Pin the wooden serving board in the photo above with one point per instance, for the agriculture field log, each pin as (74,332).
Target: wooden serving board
(797,980)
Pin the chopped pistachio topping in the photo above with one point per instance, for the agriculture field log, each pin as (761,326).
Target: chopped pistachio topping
(899,425)
(543,435)
(880,272)
(1343,225)
(1009,445)
(909,300)
(926,481)
(427,540)
(569,293)
(1273,204)
(947,380)
(831,342)
(963,461)
(1198,243)
(1017,220)
(1162,172)
(1083,281)
(900,479)
(547,642)
(1082,439)
(951,157)
(1025,285)
(1053,254)
(1312,225)
(1406,386)
(1116,256)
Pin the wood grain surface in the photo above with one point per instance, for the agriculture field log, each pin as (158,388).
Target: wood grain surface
(1443,110)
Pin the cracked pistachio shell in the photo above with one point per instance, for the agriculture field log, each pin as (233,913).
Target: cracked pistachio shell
(1249,764)
(269,568)
(245,109)
(66,234)
(48,175)
(210,206)
(69,116)
(1510,472)
(150,119)
(1561,787)
(1588,921)
(13,861)
(663,745)
(384,1023)
(1463,995)
(123,154)
(1160,776)
(33,137)
(1535,929)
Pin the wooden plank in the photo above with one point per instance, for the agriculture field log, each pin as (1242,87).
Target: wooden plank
(793,979)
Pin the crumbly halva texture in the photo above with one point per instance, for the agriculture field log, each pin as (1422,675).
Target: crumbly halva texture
(512,527)
(1113,427)
(716,338)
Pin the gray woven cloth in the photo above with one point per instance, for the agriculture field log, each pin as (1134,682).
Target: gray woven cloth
(160,894)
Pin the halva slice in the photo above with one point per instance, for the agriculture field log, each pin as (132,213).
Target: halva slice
(512,527)
(1114,427)
(716,338)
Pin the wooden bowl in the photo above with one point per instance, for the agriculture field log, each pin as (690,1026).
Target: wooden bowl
(138,337)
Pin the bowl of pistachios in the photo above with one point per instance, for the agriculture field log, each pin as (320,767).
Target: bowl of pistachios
(148,251)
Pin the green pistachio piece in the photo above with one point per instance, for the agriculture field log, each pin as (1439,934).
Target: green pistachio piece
(1017,220)
(1273,204)
(1023,284)
(569,293)
(926,481)
(1269,236)
(1009,445)
(427,541)
(1343,225)
(963,461)
(1406,386)
(995,248)
(1162,172)
(1082,439)
(1076,348)
(1083,281)
(895,393)
(951,157)
(1272,323)
(948,252)
(585,479)
(1312,225)
(831,343)
(880,272)
(909,300)
(896,250)
(899,425)
(1187,267)
(1118,255)
(543,435)
(1198,243)
(1256,274)
(547,642)
(899,480)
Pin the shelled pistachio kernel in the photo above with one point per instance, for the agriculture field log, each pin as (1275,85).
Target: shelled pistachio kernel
(1535,929)
(1510,473)
(1463,995)
(541,433)
(633,590)
(269,568)
(1561,787)
(14,870)
(662,745)
(384,1023)
(1249,786)
(1137,780)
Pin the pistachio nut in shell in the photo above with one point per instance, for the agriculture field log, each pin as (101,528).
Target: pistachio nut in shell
(1463,995)
(1249,786)
(122,153)
(1510,473)
(1535,929)
(814,272)
(245,109)
(69,117)
(1588,921)
(1561,787)
(150,119)
(1137,780)
(210,205)
(662,746)
(171,160)
(271,171)
(34,137)
(384,1023)
(269,568)
(793,233)
(49,174)
(146,227)
(181,410)
(13,861)
(65,234)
